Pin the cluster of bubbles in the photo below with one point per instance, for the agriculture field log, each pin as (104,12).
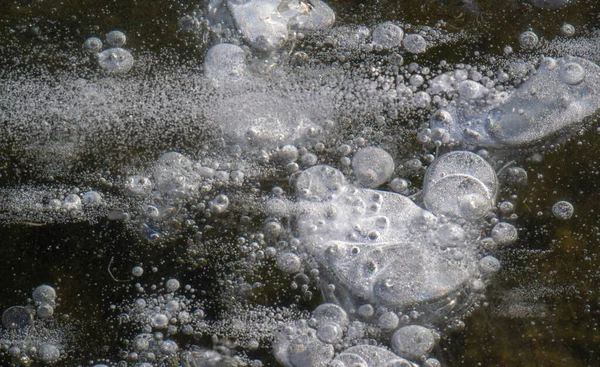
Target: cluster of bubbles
(38,205)
(329,338)
(28,333)
(174,181)
(160,317)
(563,92)
(397,266)
(115,59)
(266,25)
(165,312)
(383,258)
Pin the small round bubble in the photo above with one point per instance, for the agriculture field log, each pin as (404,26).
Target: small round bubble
(72,202)
(159,321)
(172,285)
(413,342)
(528,39)
(319,183)
(572,73)
(308,159)
(372,166)
(93,44)
(422,99)
(415,43)
(137,271)
(115,60)
(331,312)
(400,185)
(504,234)
(116,38)
(388,35)
(389,321)
(92,198)
(366,311)
(49,353)
(567,30)
(516,176)
(169,347)
(219,204)
(506,207)
(442,119)
(309,353)
(489,265)
(45,311)
(141,343)
(289,262)
(416,80)
(44,294)
(563,210)
(432,362)
(349,360)
(329,332)
(458,195)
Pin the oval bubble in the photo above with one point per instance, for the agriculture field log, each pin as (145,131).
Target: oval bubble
(17,317)
(462,162)
(372,166)
(49,353)
(458,195)
(329,312)
(415,43)
(504,234)
(563,210)
(225,63)
(413,342)
(320,183)
(528,39)
(116,38)
(388,35)
(572,73)
(115,60)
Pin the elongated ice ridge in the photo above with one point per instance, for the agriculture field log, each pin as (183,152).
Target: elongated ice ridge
(560,94)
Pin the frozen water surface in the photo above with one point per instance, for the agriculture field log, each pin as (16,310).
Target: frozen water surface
(299,183)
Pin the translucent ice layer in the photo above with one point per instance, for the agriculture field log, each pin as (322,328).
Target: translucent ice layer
(560,94)
(266,24)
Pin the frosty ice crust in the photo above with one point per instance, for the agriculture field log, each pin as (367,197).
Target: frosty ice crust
(560,94)
(379,250)
(266,24)
(380,247)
